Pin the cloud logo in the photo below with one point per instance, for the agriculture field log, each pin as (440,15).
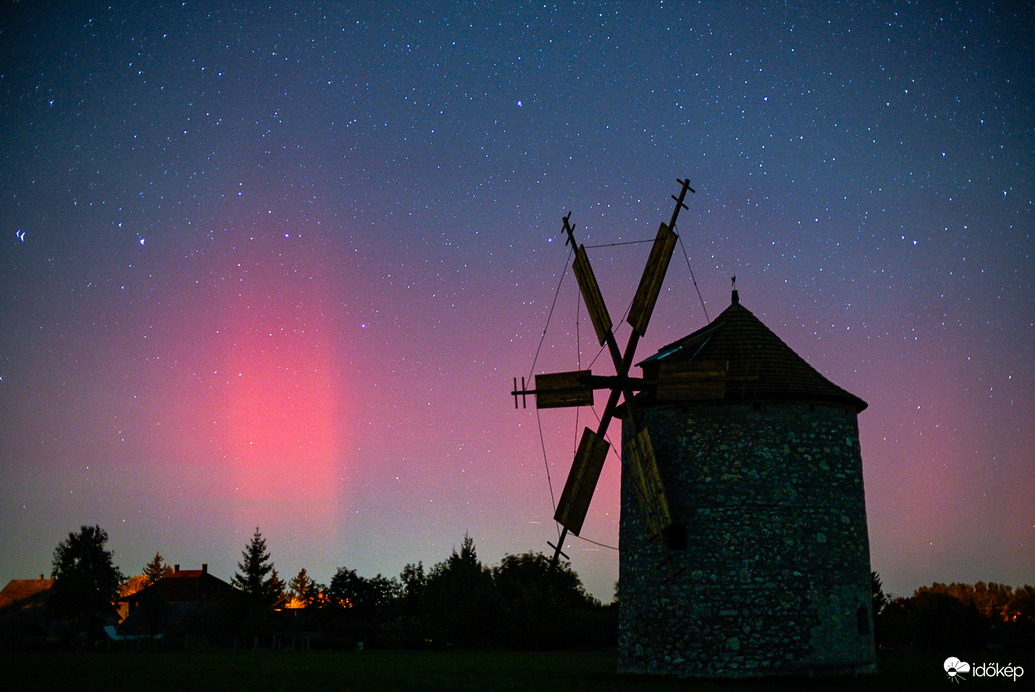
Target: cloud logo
(955,668)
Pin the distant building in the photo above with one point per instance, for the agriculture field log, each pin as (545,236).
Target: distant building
(175,604)
(23,613)
(24,593)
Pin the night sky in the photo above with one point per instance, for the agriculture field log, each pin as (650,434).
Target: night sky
(278,266)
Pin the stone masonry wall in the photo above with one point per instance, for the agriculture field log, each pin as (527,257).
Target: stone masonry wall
(775,575)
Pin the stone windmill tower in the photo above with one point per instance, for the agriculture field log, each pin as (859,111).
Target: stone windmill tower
(759,456)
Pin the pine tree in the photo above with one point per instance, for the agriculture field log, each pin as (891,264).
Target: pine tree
(256,576)
(303,589)
(276,590)
(156,569)
(460,599)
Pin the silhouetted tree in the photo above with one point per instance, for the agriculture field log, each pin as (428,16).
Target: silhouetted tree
(382,592)
(960,616)
(276,589)
(256,576)
(347,589)
(1022,618)
(413,582)
(407,627)
(460,599)
(303,589)
(932,619)
(86,581)
(1022,605)
(880,599)
(543,605)
(363,606)
(156,569)
(253,617)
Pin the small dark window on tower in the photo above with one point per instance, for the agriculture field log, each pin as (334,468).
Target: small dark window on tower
(756,406)
(675,536)
(812,407)
(863,621)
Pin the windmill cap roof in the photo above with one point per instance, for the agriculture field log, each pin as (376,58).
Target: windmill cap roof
(759,364)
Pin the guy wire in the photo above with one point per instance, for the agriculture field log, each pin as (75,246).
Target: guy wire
(546,463)
(549,315)
(687,257)
(626,242)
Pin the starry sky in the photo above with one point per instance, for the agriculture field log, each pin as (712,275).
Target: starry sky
(277,266)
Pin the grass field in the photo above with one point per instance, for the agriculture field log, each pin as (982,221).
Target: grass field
(408,670)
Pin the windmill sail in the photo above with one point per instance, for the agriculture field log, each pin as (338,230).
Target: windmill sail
(591,294)
(582,481)
(560,389)
(653,277)
(643,468)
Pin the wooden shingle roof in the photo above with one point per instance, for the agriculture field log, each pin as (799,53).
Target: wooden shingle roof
(759,365)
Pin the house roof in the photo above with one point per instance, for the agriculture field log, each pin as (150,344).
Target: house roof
(758,364)
(18,590)
(185,586)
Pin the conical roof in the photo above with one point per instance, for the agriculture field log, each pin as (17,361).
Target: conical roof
(759,365)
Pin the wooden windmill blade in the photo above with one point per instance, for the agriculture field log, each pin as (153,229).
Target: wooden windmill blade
(642,465)
(656,267)
(582,481)
(598,314)
(643,468)
(653,277)
(561,389)
(558,389)
(589,287)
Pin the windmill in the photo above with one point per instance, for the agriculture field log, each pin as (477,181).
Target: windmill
(576,388)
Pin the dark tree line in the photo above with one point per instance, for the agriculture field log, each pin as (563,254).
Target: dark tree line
(524,602)
(956,616)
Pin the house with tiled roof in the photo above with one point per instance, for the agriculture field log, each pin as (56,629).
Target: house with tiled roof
(174,602)
(23,612)
(24,592)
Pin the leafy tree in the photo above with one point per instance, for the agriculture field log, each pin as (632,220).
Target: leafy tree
(1022,609)
(408,627)
(960,616)
(544,605)
(256,576)
(383,592)
(347,589)
(86,580)
(156,569)
(362,606)
(1022,605)
(931,619)
(365,596)
(413,581)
